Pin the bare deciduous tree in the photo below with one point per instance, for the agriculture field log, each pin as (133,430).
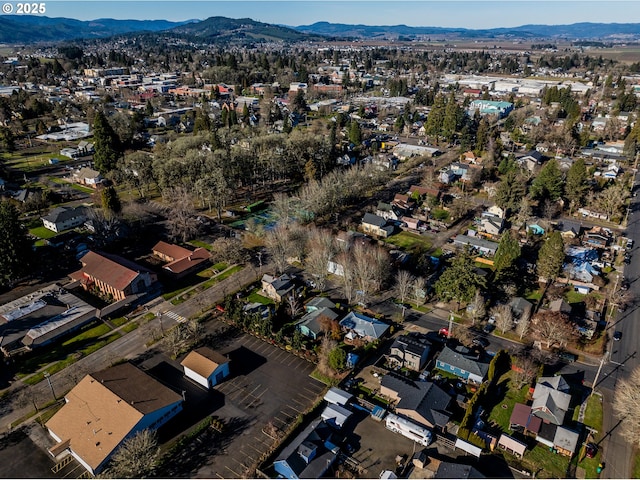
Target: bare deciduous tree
(293,305)
(228,250)
(524,369)
(175,340)
(403,287)
(326,347)
(553,328)
(278,246)
(321,249)
(626,404)
(348,275)
(504,317)
(477,307)
(463,334)
(522,328)
(419,291)
(181,220)
(137,457)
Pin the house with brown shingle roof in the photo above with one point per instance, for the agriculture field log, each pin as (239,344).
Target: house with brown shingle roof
(182,261)
(206,367)
(113,275)
(105,409)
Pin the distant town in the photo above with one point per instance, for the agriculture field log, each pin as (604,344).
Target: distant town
(237,250)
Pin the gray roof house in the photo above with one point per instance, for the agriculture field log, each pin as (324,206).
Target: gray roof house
(484,246)
(310,324)
(277,288)
(64,218)
(462,365)
(410,352)
(310,454)
(519,306)
(362,326)
(376,226)
(424,402)
(551,399)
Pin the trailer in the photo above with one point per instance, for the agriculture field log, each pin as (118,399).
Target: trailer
(409,429)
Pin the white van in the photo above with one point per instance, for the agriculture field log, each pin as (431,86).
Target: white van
(409,429)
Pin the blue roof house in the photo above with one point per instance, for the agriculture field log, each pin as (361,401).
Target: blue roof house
(462,365)
(359,325)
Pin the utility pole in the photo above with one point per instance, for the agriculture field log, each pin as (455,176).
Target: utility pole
(595,380)
(450,324)
(47,375)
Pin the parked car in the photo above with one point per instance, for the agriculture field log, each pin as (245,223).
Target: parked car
(488,328)
(624,285)
(617,335)
(567,357)
(591,450)
(481,342)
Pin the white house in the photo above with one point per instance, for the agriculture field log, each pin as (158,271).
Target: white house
(206,367)
(64,218)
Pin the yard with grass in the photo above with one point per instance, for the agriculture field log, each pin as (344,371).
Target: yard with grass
(574,297)
(200,244)
(410,241)
(42,232)
(255,297)
(593,419)
(190,292)
(63,354)
(501,412)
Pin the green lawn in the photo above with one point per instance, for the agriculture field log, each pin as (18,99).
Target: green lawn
(574,297)
(42,232)
(409,241)
(62,353)
(636,467)
(546,464)
(82,189)
(213,270)
(130,327)
(256,297)
(502,415)
(117,322)
(534,296)
(198,243)
(177,300)
(593,416)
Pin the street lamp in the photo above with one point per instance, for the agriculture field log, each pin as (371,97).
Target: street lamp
(47,375)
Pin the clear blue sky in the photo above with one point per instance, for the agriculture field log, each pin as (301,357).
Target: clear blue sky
(450,13)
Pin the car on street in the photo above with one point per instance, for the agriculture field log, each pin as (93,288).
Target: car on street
(488,328)
(624,285)
(481,342)
(617,335)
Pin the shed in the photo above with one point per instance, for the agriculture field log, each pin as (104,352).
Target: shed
(468,447)
(206,367)
(336,396)
(512,445)
(336,415)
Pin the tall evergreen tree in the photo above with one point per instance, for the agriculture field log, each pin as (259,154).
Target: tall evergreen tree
(507,253)
(459,281)
(15,246)
(576,187)
(355,134)
(551,257)
(110,200)
(106,144)
(510,191)
(548,184)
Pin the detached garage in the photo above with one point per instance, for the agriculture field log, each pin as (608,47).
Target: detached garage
(206,367)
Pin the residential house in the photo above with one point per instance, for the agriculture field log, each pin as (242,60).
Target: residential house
(106,408)
(496,211)
(523,420)
(460,471)
(447,176)
(483,246)
(403,203)
(409,352)
(519,307)
(376,226)
(424,192)
(310,455)
(462,364)
(277,288)
(551,399)
(424,402)
(565,441)
(569,230)
(310,325)
(598,237)
(560,305)
(360,326)
(113,275)
(182,261)
(206,367)
(64,218)
(491,225)
(530,160)
(386,211)
(410,223)
(88,176)
(511,445)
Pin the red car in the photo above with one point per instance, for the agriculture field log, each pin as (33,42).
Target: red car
(444,332)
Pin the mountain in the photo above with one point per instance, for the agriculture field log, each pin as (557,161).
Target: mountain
(223,29)
(33,28)
(576,31)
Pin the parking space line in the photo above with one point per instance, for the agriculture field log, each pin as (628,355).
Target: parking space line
(282,352)
(293,359)
(260,452)
(219,476)
(257,397)
(236,475)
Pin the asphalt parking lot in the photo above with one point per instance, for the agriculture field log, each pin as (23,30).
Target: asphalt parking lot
(267,385)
